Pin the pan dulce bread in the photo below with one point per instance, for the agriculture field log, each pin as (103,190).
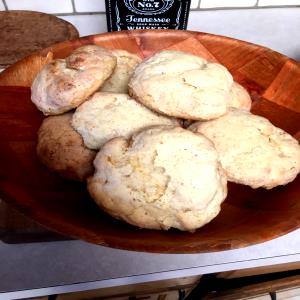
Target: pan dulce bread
(239,97)
(182,85)
(108,115)
(141,166)
(61,148)
(126,64)
(160,178)
(63,84)
(252,150)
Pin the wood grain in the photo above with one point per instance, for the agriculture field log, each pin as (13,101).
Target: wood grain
(248,216)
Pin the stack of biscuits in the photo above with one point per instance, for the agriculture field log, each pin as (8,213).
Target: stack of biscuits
(156,139)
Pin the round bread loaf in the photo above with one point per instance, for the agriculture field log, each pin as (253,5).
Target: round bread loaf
(126,64)
(63,84)
(182,85)
(162,177)
(252,150)
(61,148)
(108,115)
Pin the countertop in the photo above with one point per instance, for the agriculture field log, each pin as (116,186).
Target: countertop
(29,270)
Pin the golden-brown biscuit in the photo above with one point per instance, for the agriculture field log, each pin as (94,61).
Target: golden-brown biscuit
(63,84)
(61,148)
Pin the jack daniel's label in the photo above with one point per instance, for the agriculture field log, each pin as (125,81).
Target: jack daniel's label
(146,14)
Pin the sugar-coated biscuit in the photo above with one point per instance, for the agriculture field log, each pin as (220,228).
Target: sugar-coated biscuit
(108,115)
(61,148)
(63,84)
(182,85)
(162,177)
(252,150)
(126,64)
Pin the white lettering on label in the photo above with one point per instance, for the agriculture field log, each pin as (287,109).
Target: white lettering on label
(149,5)
(131,18)
(147,27)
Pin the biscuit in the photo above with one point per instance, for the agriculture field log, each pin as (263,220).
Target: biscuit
(182,85)
(297,136)
(63,84)
(162,177)
(108,115)
(239,97)
(61,148)
(252,150)
(126,63)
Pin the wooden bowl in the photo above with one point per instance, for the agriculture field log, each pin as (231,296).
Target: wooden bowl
(248,216)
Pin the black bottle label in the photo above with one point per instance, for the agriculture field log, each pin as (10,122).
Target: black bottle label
(146,14)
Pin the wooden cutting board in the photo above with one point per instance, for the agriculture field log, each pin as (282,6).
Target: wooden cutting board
(24,32)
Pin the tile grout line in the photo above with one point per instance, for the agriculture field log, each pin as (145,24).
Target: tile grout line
(5,5)
(81,13)
(193,10)
(73,5)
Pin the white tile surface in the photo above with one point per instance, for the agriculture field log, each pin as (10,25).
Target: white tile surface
(254,25)
(194,3)
(88,24)
(278,2)
(226,3)
(2,5)
(47,6)
(99,5)
(90,5)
